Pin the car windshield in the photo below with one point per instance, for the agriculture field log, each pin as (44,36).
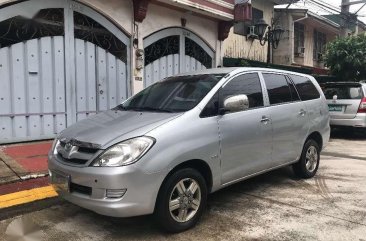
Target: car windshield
(342,92)
(174,94)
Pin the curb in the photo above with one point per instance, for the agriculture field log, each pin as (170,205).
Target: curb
(25,192)
(27,196)
(14,211)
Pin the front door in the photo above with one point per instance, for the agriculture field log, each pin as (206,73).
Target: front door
(246,136)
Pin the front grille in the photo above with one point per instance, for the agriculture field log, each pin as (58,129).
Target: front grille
(62,143)
(80,189)
(72,160)
(82,148)
(81,155)
(87,150)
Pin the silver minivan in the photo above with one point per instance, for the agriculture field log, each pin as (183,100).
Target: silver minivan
(166,148)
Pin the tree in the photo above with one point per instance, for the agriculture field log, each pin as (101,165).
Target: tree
(346,58)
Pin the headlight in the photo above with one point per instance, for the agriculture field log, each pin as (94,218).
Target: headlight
(55,144)
(124,153)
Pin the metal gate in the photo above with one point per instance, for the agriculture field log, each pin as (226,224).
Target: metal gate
(172,51)
(59,63)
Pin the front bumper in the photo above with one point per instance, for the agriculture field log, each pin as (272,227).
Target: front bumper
(358,121)
(139,199)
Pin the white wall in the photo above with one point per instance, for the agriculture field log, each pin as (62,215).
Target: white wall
(285,53)
(285,50)
(118,11)
(158,17)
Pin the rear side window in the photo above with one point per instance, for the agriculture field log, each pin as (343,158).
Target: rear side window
(279,89)
(343,92)
(305,88)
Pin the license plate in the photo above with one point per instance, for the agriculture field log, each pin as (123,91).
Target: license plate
(335,108)
(60,182)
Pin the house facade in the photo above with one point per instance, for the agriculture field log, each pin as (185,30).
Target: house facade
(241,42)
(305,38)
(63,60)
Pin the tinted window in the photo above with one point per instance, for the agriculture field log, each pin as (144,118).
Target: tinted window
(305,88)
(247,84)
(212,108)
(294,95)
(175,94)
(278,88)
(343,92)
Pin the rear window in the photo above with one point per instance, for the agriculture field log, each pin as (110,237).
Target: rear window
(305,88)
(343,92)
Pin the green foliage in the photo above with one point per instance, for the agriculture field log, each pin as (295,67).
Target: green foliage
(346,58)
(244,63)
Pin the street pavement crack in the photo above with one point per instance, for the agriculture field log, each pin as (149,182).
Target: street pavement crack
(11,169)
(293,206)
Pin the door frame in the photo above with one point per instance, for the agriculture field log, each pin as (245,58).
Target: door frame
(183,33)
(31,7)
(70,72)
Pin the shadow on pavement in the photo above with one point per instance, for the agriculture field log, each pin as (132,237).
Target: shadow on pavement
(146,226)
(348,133)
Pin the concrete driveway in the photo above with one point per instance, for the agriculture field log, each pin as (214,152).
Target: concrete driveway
(273,206)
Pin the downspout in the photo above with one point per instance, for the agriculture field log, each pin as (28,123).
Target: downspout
(300,19)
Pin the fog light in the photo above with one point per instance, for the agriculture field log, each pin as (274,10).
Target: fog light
(115,193)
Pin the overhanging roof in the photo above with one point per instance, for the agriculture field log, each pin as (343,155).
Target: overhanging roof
(310,14)
(280,2)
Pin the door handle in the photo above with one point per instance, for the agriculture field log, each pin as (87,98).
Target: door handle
(302,112)
(265,119)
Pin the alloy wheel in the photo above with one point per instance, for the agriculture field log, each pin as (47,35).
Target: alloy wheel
(185,200)
(311,158)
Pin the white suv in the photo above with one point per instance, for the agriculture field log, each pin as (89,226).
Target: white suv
(347,103)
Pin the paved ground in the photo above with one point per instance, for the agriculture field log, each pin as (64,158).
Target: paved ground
(273,206)
(23,161)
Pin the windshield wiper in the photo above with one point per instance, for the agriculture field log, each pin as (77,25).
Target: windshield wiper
(119,107)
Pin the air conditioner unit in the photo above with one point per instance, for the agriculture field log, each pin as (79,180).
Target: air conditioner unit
(301,50)
(251,32)
(319,56)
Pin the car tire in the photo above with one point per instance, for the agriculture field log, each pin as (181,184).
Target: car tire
(308,164)
(176,209)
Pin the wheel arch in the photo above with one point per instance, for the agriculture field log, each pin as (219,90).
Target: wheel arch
(201,166)
(316,136)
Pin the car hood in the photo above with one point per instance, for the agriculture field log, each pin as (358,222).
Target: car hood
(113,126)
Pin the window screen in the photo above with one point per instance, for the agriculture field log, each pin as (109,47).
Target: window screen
(299,37)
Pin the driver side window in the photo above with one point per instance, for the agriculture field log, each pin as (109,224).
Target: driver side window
(246,84)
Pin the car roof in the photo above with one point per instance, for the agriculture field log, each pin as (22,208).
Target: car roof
(235,70)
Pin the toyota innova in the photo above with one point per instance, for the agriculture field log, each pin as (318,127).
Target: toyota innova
(165,149)
(347,104)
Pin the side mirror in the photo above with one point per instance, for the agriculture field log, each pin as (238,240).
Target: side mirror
(335,97)
(235,103)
